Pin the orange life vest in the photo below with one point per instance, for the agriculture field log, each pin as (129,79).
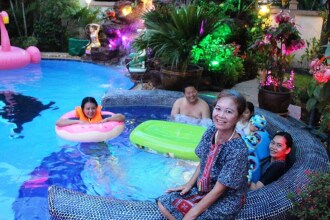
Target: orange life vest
(97,117)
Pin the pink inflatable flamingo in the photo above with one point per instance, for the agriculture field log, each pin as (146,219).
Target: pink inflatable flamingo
(14,57)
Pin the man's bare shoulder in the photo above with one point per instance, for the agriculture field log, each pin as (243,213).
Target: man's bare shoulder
(179,100)
(202,102)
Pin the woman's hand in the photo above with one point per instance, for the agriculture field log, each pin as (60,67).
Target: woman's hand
(66,122)
(114,117)
(184,189)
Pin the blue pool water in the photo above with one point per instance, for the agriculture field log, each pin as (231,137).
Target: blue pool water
(33,157)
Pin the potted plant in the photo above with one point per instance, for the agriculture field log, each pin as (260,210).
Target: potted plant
(171,32)
(276,46)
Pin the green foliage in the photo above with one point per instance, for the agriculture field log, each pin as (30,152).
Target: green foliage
(78,18)
(300,95)
(211,46)
(24,42)
(21,18)
(314,201)
(50,35)
(55,21)
(51,22)
(319,97)
(311,5)
(313,49)
(219,58)
(172,32)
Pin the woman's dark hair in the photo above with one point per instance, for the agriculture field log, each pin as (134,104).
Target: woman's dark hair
(88,99)
(250,106)
(287,137)
(236,96)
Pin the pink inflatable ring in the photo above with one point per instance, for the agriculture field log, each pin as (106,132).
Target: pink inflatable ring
(96,132)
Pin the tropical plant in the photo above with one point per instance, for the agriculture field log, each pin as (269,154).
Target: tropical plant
(76,18)
(277,45)
(220,59)
(49,23)
(172,32)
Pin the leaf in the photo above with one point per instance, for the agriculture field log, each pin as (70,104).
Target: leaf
(317,91)
(325,92)
(310,104)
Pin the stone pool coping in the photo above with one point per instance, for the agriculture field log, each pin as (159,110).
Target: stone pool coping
(159,97)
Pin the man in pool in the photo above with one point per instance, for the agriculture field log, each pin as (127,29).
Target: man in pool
(190,105)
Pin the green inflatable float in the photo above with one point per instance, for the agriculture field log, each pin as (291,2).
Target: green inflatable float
(170,138)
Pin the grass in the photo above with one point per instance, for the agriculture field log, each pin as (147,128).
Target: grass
(302,80)
(301,83)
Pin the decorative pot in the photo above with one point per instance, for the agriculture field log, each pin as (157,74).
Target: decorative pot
(174,80)
(277,102)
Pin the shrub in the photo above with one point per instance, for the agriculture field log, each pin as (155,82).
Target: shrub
(24,42)
(314,201)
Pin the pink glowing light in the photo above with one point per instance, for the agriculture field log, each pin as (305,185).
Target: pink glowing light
(201,31)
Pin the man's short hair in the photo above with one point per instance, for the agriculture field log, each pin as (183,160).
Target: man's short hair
(189,84)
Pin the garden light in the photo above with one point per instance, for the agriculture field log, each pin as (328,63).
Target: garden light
(215,63)
(263,6)
(88,2)
(264,10)
(126,10)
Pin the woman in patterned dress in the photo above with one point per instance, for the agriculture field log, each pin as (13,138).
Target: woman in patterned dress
(218,186)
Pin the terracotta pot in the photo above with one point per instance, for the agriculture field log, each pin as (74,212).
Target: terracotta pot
(277,102)
(173,80)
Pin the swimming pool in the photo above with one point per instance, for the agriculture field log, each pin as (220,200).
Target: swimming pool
(33,157)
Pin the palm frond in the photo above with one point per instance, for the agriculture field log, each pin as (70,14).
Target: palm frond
(172,32)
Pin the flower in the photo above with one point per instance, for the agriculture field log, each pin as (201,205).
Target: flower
(318,91)
(320,71)
(276,45)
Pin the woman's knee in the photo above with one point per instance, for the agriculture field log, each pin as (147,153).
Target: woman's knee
(164,211)
(161,207)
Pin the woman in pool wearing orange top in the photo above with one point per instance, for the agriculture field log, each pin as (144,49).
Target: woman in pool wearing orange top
(88,112)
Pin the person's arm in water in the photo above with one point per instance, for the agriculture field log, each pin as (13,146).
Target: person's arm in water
(176,108)
(66,121)
(114,117)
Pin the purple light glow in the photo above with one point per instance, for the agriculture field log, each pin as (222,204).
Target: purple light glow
(201,30)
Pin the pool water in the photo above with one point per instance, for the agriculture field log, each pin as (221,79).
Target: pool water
(33,157)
